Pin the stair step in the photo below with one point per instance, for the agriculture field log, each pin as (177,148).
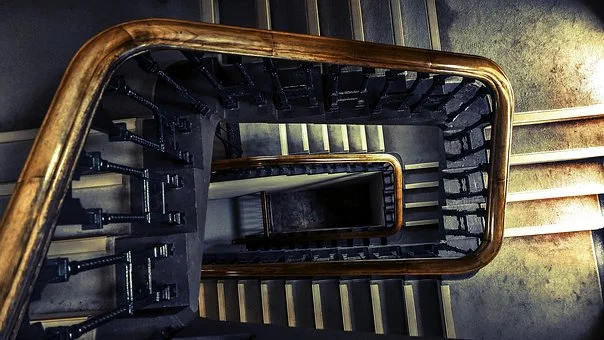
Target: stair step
(297,139)
(250,301)
(318,138)
(274,305)
(289,16)
(357,138)
(87,293)
(426,296)
(238,13)
(327,305)
(553,216)
(566,135)
(88,245)
(377,21)
(114,199)
(259,139)
(300,304)
(553,180)
(415,144)
(208,299)
(556,156)
(228,301)
(416,30)
(375,138)
(334,19)
(413,328)
(553,275)
(388,301)
(447,312)
(338,138)
(355,300)
(558,115)
(124,153)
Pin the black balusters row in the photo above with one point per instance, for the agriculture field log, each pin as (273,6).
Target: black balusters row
(167,125)
(364,88)
(280,98)
(74,213)
(197,61)
(140,291)
(467,180)
(333,73)
(93,162)
(149,65)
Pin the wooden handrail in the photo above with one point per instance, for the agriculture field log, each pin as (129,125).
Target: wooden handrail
(30,218)
(262,161)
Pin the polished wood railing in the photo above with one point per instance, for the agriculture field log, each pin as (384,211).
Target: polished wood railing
(29,220)
(239,164)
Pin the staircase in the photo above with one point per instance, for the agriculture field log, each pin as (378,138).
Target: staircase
(381,304)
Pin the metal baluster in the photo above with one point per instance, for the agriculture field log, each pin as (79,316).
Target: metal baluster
(281,101)
(455,114)
(334,72)
(144,258)
(118,85)
(363,89)
(196,59)
(450,136)
(251,85)
(390,77)
(418,79)
(60,269)
(436,81)
(310,85)
(441,105)
(149,65)
(455,157)
(117,132)
(93,161)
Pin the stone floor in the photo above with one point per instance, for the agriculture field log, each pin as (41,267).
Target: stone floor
(552,50)
(538,287)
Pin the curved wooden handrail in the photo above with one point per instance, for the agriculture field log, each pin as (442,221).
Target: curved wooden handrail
(261,161)
(30,218)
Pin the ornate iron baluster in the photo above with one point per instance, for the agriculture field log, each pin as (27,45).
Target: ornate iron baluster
(333,73)
(118,85)
(149,65)
(280,98)
(137,294)
(363,89)
(418,79)
(436,81)
(455,114)
(196,59)
(310,85)
(463,180)
(93,162)
(250,84)
(390,77)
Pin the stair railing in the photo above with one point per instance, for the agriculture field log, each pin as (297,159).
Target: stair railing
(30,218)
